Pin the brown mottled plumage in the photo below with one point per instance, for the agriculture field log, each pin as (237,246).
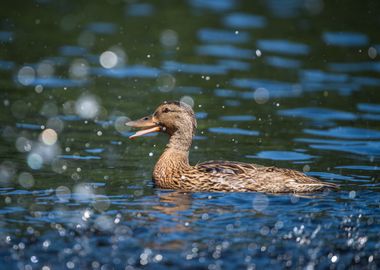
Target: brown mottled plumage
(173,171)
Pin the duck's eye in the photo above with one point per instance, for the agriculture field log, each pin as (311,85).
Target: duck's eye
(166,110)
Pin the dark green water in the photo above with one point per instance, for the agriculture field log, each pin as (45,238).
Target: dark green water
(287,83)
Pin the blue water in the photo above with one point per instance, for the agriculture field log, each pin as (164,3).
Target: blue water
(291,84)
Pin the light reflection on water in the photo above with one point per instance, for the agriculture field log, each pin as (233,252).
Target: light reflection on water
(275,83)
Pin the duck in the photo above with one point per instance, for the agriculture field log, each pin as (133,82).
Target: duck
(173,170)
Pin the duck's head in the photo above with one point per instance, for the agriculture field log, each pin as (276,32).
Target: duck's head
(170,117)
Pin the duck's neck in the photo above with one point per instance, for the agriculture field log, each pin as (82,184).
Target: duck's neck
(173,161)
(180,141)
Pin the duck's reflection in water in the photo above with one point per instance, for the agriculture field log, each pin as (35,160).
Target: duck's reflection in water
(175,223)
(173,202)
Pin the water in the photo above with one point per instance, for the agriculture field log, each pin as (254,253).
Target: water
(287,83)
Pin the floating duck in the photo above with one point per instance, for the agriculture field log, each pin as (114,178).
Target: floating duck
(173,171)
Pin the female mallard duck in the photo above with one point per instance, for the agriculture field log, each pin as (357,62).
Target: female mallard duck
(173,171)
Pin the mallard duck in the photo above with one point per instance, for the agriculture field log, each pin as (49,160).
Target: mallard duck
(173,171)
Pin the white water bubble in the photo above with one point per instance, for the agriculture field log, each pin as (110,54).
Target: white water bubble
(108,59)
(47,152)
(372,52)
(23,144)
(101,203)
(59,165)
(26,75)
(188,100)
(121,55)
(38,88)
(87,107)
(169,38)
(45,69)
(261,95)
(83,191)
(7,171)
(49,136)
(120,124)
(35,161)
(306,168)
(258,53)
(260,202)
(63,193)
(69,107)
(104,223)
(55,123)
(166,82)
(79,69)
(26,180)
(49,109)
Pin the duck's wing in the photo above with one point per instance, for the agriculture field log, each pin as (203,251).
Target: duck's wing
(261,178)
(226,167)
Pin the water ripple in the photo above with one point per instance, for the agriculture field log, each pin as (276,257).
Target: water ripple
(233,131)
(318,114)
(225,51)
(345,39)
(244,20)
(138,71)
(102,28)
(369,107)
(365,148)
(281,155)
(78,157)
(359,167)
(222,36)
(283,46)
(237,118)
(174,66)
(346,133)
(281,62)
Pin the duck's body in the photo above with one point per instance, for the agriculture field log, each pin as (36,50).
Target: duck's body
(173,171)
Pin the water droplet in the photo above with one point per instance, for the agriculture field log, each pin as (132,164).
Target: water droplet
(258,53)
(372,52)
(260,202)
(120,124)
(79,69)
(26,75)
(166,82)
(101,203)
(63,193)
(306,168)
(34,161)
(169,38)
(188,100)
(261,95)
(87,107)
(26,180)
(49,136)
(108,59)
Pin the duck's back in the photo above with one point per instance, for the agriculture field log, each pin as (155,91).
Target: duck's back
(238,176)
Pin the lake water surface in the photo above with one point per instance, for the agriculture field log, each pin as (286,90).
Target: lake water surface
(290,83)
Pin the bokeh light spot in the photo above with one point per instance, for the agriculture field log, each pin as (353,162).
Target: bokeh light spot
(26,180)
(108,59)
(49,136)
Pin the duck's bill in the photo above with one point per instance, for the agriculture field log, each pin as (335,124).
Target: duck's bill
(146,124)
(144,131)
